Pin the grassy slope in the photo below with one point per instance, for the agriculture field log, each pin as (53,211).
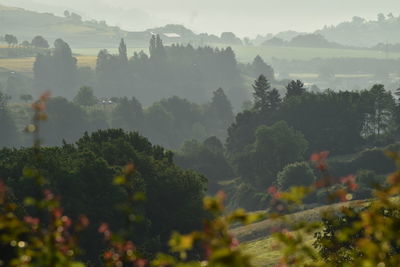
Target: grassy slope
(26,24)
(264,252)
(256,239)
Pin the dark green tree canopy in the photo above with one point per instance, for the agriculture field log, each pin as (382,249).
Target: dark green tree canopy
(82,174)
(66,121)
(261,89)
(85,97)
(10,39)
(380,107)
(274,100)
(220,111)
(128,114)
(274,147)
(56,71)
(157,49)
(123,54)
(40,42)
(206,158)
(296,174)
(295,88)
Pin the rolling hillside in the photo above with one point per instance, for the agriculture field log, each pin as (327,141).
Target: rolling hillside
(26,24)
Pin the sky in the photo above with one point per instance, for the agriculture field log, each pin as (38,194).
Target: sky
(245,18)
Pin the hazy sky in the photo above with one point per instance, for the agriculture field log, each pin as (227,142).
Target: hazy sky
(246,18)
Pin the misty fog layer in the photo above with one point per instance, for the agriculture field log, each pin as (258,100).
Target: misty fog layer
(246,18)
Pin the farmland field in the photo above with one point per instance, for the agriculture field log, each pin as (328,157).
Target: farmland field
(244,54)
(25,64)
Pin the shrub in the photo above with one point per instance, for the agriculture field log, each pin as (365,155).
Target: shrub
(295,174)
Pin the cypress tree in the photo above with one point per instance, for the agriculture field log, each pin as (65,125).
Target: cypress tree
(123,54)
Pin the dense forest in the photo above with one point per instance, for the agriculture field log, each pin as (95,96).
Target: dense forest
(266,147)
(82,174)
(258,147)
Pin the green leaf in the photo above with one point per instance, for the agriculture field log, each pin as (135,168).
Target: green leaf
(119,180)
(29,201)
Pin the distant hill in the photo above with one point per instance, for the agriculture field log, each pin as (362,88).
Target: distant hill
(306,40)
(364,33)
(175,33)
(26,24)
(383,33)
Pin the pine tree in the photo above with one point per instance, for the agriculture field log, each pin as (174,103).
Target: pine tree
(221,107)
(261,89)
(274,99)
(295,88)
(397,93)
(259,67)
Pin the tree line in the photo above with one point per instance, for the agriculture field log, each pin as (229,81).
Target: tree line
(168,122)
(181,70)
(38,41)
